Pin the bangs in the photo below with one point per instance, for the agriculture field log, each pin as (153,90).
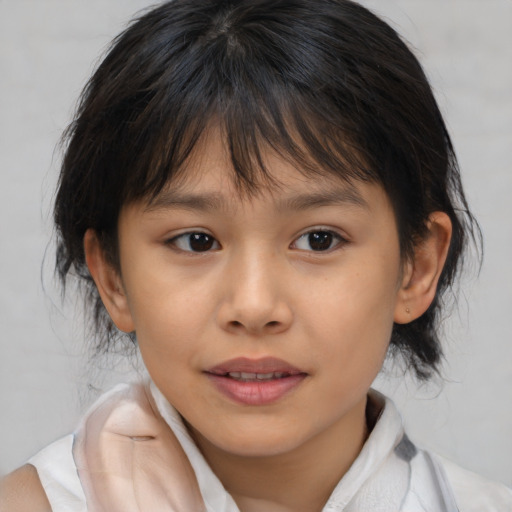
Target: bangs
(264,83)
(251,119)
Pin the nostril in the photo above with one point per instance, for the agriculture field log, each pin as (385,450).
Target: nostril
(235,324)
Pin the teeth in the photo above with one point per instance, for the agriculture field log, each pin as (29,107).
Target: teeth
(264,376)
(246,376)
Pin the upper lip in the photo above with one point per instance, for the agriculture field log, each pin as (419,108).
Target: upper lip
(247,365)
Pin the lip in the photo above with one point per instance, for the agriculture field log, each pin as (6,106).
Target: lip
(255,392)
(262,365)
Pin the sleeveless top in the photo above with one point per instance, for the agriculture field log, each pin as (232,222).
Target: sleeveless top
(132,453)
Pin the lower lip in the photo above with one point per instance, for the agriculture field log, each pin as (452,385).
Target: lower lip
(256,392)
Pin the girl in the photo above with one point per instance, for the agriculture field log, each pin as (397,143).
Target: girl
(264,198)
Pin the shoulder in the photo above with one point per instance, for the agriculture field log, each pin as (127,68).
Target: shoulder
(475,493)
(22,491)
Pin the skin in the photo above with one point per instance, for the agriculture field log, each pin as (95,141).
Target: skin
(262,290)
(21,491)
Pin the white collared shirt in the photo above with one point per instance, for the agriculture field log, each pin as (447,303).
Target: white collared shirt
(390,474)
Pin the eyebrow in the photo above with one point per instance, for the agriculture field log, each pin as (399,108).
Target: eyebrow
(175,199)
(335,197)
(304,201)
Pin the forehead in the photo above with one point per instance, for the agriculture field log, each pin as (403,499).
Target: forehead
(209,181)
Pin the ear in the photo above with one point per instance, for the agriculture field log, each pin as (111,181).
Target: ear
(108,282)
(421,273)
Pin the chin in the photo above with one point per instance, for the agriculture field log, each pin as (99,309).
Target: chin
(259,444)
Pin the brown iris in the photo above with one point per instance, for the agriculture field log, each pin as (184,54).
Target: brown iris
(320,240)
(200,242)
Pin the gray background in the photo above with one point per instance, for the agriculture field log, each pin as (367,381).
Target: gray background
(48,49)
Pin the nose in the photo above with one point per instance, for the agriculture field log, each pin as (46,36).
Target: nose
(254,299)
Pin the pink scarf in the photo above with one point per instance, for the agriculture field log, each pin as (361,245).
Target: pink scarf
(129,460)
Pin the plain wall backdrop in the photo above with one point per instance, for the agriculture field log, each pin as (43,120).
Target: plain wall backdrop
(48,48)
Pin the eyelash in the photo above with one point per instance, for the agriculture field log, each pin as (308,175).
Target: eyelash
(341,241)
(211,242)
(183,236)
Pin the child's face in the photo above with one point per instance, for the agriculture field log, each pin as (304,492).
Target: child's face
(303,280)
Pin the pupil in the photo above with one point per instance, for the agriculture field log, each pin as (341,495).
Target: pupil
(200,242)
(320,241)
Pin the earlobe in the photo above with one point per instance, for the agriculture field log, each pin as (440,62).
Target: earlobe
(108,282)
(421,274)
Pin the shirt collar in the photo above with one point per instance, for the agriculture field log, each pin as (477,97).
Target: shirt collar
(386,434)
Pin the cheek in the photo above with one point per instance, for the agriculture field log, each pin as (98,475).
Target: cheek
(353,312)
(170,316)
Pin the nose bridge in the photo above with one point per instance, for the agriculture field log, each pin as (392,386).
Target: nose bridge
(256,269)
(255,298)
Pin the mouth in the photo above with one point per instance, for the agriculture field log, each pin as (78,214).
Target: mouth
(255,370)
(255,382)
(257,377)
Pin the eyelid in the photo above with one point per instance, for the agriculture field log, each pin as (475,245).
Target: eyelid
(171,241)
(342,240)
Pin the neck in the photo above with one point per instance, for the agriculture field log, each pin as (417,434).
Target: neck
(300,480)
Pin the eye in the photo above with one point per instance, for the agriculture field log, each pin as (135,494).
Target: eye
(195,242)
(318,241)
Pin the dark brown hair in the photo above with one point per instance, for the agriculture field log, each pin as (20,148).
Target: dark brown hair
(327,84)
